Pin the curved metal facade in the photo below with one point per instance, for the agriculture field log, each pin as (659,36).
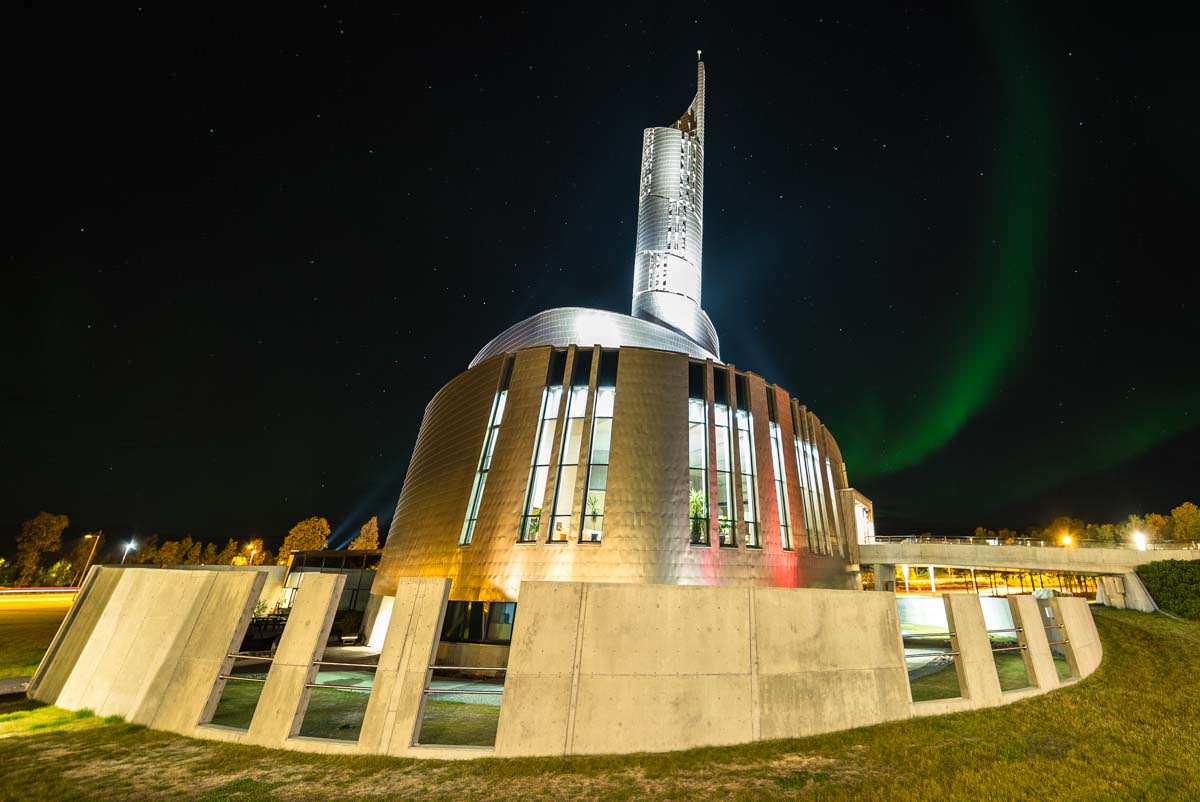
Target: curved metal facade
(647,534)
(573,325)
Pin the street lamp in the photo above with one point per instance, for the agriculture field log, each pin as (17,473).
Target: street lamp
(251,549)
(1066,539)
(130,546)
(1139,540)
(95,538)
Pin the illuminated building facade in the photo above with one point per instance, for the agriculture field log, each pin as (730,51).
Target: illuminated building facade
(587,445)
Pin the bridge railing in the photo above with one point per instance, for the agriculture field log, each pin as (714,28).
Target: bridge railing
(1038,542)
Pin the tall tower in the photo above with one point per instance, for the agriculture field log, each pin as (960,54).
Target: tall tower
(670,230)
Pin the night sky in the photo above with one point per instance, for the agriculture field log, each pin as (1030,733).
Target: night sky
(242,251)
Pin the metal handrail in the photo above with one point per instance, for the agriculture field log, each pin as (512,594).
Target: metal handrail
(1008,649)
(370,666)
(340,687)
(1009,629)
(469,668)
(240,656)
(931,654)
(1057,642)
(243,679)
(454,692)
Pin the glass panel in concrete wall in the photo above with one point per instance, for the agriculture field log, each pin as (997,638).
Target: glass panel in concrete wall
(338,690)
(1009,654)
(461,701)
(244,673)
(928,652)
(1056,636)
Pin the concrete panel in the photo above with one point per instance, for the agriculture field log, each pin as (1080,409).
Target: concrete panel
(400,678)
(220,625)
(1083,641)
(977,676)
(1032,636)
(535,715)
(280,707)
(807,632)
(544,633)
(73,634)
(132,640)
(622,714)
(664,630)
(794,705)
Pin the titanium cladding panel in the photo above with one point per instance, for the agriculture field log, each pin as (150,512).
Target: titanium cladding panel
(646,536)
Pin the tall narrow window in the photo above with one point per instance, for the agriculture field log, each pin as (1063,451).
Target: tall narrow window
(543,445)
(723,425)
(597,480)
(697,457)
(485,464)
(805,497)
(745,437)
(780,486)
(833,501)
(818,491)
(562,524)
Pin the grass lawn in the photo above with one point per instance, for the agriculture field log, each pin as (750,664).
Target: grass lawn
(27,625)
(1130,731)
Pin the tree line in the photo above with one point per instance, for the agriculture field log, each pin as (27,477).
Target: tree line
(43,560)
(1180,525)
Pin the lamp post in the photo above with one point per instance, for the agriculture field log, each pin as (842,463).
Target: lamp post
(1139,540)
(130,546)
(251,549)
(95,538)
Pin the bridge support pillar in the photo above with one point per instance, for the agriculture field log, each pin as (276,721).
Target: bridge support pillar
(1136,596)
(885,577)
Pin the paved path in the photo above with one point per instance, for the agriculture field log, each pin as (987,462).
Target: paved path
(13,686)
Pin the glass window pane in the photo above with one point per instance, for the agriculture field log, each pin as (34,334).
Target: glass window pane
(553,399)
(604,402)
(459,719)
(745,461)
(538,496)
(594,504)
(238,700)
(696,410)
(698,501)
(561,528)
(601,438)
(724,498)
(566,490)
(696,456)
(578,403)
(545,442)
(574,439)
(928,652)
(598,478)
(748,498)
(723,461)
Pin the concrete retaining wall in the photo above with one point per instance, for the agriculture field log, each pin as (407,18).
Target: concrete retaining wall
(593,668)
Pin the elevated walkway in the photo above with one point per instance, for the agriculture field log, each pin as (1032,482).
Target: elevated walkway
(1096,561)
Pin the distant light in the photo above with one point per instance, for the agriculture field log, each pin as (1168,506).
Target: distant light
(1066,539)
(1139,540)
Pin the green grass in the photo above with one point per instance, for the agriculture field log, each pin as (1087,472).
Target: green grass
(1127,732)
(236,706)
(27,626)
(334,713)
(939,684)
(458,723)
